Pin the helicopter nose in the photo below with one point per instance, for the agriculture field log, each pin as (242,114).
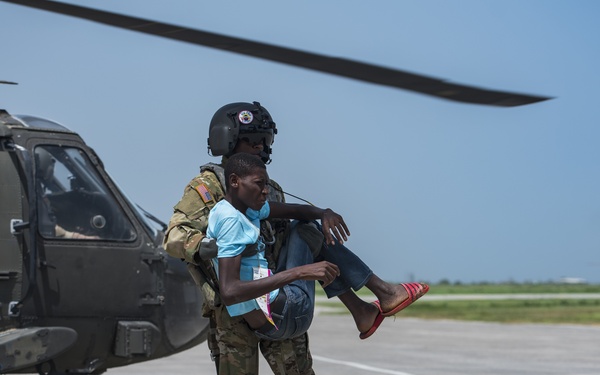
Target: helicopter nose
(182,306)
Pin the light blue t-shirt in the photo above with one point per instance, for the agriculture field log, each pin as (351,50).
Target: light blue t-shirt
(234,231)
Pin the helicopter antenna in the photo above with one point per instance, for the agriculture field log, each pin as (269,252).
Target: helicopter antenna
(153,218)
(291,195)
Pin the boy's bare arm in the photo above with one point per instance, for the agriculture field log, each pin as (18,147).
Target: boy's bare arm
(332,223)
(234,290)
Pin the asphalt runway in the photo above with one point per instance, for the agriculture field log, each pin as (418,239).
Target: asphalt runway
(408,346)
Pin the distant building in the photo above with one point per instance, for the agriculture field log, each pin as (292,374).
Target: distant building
(572,280)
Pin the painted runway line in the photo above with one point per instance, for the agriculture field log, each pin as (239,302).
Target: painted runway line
(359,366)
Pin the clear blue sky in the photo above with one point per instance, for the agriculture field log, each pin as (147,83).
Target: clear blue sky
(431,189)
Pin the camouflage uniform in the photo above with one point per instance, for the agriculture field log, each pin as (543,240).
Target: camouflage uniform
(230,340)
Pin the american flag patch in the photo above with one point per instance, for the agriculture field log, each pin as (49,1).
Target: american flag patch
(204,193)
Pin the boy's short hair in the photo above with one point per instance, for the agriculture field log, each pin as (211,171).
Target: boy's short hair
(242,165)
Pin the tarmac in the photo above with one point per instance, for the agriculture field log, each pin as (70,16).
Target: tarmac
(409,346)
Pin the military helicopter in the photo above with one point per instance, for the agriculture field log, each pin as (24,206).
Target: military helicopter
(85,284)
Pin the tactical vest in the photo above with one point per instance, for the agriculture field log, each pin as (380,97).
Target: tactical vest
(218,170)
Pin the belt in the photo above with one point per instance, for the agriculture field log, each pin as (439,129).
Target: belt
(276,308)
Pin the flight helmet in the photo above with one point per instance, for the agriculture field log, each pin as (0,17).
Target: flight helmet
(44,164)
(241,120)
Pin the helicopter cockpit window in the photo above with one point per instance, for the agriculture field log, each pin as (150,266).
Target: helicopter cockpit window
(73,201)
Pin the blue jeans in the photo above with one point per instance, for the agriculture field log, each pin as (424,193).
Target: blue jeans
(298,311)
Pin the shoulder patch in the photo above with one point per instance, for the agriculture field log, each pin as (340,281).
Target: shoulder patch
(204,193)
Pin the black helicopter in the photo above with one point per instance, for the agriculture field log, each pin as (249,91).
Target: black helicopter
(84,282)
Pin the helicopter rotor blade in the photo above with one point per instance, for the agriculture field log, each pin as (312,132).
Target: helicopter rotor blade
(327,64)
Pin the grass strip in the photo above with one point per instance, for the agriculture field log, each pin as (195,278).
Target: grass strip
(563,311)
(554,311)
(502,288)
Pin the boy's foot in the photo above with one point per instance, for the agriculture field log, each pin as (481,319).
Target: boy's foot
(374,326)
(414,291)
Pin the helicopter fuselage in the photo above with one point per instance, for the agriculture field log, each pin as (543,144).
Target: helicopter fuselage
(85,284)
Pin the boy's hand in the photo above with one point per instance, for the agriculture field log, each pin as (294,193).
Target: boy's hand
(323,271)
(332,223)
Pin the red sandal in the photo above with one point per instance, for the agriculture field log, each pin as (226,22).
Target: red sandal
(376,324)
(414,290)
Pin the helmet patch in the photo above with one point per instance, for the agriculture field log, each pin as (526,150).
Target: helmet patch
(245,117)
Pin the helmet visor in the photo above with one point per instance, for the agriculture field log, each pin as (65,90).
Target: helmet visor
(264,136)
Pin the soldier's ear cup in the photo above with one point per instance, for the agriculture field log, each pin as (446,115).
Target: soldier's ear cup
(222,138)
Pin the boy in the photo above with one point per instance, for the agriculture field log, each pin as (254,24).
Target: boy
(280,305)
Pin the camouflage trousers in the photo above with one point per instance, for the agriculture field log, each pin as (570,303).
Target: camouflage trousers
(238,348)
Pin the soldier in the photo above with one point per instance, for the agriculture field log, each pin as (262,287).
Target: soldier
(234,128)
(249,128)
(49,227)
